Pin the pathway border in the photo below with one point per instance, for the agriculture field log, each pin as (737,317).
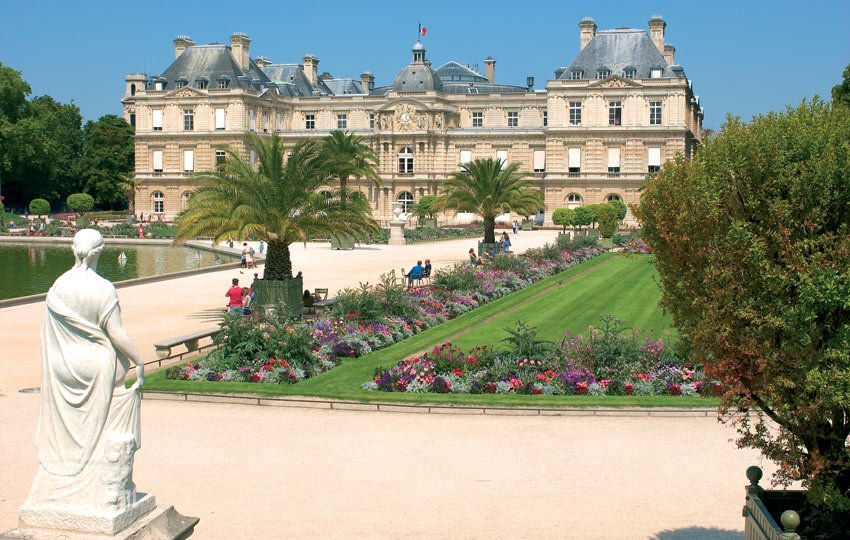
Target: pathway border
(484,410)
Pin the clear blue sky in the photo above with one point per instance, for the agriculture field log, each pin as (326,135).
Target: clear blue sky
(745,57)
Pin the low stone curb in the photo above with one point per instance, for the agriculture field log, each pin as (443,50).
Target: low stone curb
(342,405)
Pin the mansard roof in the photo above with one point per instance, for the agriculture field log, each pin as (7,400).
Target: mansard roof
(456,72)
(344,87)
(615,50)
(290,79)
(211,63)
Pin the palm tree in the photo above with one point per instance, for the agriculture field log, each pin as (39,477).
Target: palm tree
(347,156)
(276,201)
(486,188)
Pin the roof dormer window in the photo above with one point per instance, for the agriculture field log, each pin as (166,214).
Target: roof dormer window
(223,81)
(655,73)
(629,73)
(202,83)
(576,74)
(603,73)
(159,84)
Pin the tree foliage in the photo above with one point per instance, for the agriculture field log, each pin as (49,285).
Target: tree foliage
(39,207)
(620,208)
(108,155)
(485,188)
(752,245)
(346,156)
(841,91)
(606,215)
(585,215)
(80,202)
(426,207)
(564,217)
(277,202)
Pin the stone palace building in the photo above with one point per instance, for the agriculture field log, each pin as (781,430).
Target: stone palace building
(598,128)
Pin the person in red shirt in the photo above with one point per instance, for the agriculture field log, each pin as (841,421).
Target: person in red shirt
(234,293)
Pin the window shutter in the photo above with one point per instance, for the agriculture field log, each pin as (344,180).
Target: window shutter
(465,156)
(219,118)
(188,160)
(157,118)
(503,155)
(539,160)
(613,157)
(157,160)
(654,157)
(575,158)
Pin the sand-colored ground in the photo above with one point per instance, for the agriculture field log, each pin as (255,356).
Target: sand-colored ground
(265,472)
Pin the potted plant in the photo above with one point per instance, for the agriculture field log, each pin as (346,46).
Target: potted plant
(564,217)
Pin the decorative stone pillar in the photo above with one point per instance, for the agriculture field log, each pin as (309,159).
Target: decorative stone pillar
(397,226)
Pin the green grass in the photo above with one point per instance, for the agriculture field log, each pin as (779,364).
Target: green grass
(543,300)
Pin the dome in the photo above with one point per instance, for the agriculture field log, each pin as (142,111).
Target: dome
(418,75)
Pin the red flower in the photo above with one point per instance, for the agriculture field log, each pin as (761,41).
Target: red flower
(536,391)
(491,388)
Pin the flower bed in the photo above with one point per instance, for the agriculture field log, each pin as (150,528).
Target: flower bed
(366,319)
(610,364)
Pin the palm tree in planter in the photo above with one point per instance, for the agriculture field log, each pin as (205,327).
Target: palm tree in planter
(488,188)
(346,157)
(277,202)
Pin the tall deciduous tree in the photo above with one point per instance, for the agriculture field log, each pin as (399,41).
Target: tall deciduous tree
(752,245)
(276,202)
(108,155)
(485,188)
(564,217)
(841,91)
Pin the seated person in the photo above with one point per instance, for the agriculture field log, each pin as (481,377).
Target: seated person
(308,299)
(427,271)
(415,273)
(473,258)
(490,254)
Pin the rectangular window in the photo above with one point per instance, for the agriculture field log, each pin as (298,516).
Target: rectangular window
(545,118)
(575,75)
(188,119)
(477,119)
(513,119)
(222,84)
(465,156)
(575,160)
(157,161)
(252,120)
(655,73)
(156,119)
(342,121)
(278,121)
(188,161)
(220,156)
(159,86)
(179,84)
(201,84)
(371,120)
(133,119)
(613,160)
(220,115)
(653,159)
(539,161)
(503,156)
(575,113)
(265,121)
(309,121)
(629,73)
(615,113)
(655,113)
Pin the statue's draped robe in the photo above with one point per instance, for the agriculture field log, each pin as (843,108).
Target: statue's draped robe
(82,403)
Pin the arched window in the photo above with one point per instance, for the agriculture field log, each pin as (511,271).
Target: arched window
(613,197)
(573,200)
(133,89)
(406,200)
(405,160)
(184,199)
(158,202)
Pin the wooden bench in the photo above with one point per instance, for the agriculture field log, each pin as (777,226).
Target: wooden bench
(163,348)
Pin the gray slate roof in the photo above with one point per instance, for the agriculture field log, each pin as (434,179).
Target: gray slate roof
(290,79)
(344,87)
(615,50)
(418,75)
(211,63)
(453,72)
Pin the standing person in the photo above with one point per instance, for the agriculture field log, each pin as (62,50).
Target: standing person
(515,226)
(141,232)
(41,229)
(32,229)
(249,260)
(234,304)
(244,254)
(506,242)
(262,246)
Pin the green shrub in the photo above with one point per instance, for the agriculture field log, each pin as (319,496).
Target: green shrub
(606,215)
(564,217)
(39,207)
(80,202)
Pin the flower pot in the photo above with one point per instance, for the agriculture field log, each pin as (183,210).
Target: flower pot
(606,243)
(528,224)
(343,241)
(282,296)
(428,222)
(485,247)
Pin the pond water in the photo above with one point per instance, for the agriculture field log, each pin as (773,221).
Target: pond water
(31,269)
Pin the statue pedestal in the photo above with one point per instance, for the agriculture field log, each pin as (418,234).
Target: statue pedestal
(396,233)
(162,522)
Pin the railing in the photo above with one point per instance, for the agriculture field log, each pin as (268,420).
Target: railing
(758,523)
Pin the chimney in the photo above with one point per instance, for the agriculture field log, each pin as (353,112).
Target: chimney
(262,62)
(656,32)
(181,44)
(311,69)
(587,29)
(367,81)
(669,51)
(490,69)
(240,47)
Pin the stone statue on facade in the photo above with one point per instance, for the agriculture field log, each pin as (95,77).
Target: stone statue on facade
(89,423)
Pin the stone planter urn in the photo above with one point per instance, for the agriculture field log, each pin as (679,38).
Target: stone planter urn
(397,226)
(762,506)
(282,297)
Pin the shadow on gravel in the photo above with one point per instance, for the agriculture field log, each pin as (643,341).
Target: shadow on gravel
(698,533)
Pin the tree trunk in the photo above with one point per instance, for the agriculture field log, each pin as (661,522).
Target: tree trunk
(278,261)
(489,230)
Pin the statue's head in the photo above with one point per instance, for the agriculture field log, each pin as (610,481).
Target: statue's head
(87,246)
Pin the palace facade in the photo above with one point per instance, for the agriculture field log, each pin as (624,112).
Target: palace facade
(603,123)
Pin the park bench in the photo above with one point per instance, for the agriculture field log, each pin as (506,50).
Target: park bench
(190,341)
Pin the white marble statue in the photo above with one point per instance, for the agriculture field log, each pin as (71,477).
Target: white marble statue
(89,423)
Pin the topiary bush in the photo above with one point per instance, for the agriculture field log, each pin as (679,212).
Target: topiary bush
(39,207)
(80,202)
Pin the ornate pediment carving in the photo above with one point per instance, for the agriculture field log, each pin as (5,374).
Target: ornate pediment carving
(615,82)
(185,92)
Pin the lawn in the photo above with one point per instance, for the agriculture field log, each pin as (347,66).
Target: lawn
(616,284)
